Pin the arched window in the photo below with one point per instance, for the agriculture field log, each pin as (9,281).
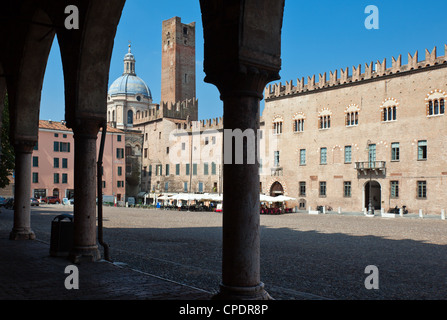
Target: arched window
(277,125)
(324,118)
(298,122)
(389,110)
(352,115)
(130,117)
(435,103)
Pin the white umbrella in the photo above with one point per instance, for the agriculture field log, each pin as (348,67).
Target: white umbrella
(211,197)
(183,196)
(283,199)
(264,198)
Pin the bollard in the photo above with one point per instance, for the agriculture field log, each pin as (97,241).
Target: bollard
(339,210)
(442,214)
(324,209)
(420,214)
(401,212)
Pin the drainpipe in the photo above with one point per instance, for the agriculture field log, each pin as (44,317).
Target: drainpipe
(99,185)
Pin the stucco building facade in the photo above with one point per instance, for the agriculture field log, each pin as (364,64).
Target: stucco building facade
(385,127)
(52,171)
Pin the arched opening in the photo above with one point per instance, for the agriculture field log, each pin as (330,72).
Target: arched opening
(376,195)
(276,189)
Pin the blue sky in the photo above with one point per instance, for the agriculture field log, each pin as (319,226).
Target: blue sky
(317,37)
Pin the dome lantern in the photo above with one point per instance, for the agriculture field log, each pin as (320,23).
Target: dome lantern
(129,62)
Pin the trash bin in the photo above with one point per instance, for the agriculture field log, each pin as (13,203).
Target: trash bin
(61,235)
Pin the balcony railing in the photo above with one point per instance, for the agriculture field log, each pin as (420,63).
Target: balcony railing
(374,166)
(276,171)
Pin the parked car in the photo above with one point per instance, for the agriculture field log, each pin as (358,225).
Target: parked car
(2,201)
(34,202)
(51,199)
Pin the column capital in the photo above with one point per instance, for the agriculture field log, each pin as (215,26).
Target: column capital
(87,127)
(242,44)
(24,146)
(242,79)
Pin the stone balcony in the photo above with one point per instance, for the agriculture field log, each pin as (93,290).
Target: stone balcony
(367,167)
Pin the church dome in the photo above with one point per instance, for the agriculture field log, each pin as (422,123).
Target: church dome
(129,83)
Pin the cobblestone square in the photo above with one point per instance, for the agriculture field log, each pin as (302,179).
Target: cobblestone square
(302,256)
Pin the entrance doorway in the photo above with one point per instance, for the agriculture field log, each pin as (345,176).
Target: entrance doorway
(276,189)
(376,195)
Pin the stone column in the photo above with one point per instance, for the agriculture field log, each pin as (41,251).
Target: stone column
(85,247)
(241,219)
(242,54)
(22,206)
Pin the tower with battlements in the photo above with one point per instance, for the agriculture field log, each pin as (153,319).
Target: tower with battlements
(178,66)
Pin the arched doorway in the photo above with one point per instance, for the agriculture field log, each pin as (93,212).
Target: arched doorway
(376,195)
(276,189)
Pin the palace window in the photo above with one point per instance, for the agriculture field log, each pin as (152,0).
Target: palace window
(348,154)
(277,126)
(322,188)
(389,110)
(422,189)
(276,158)
(347,189)
(298,122)
(422,150)
(325,122)
(302,157)
(352,115)
(323,156)
(324,119)
(302,188)
(435,103)
(395,151)
(298,125)
(394,189)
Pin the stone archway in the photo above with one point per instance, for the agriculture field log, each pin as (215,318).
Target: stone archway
(376,195)
(276,189)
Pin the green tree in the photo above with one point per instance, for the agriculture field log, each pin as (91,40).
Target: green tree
(7,158)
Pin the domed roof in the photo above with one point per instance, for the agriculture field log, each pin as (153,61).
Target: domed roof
(129,83)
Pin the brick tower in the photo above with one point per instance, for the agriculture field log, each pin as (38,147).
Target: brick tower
(178,65)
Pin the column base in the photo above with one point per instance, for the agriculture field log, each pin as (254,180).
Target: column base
(242,293)
(22,234)
(84,254)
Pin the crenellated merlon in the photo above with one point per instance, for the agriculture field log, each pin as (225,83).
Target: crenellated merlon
(372,71)
(214,124)
(182,110)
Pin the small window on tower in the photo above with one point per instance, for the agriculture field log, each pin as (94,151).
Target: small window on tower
(185,31)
